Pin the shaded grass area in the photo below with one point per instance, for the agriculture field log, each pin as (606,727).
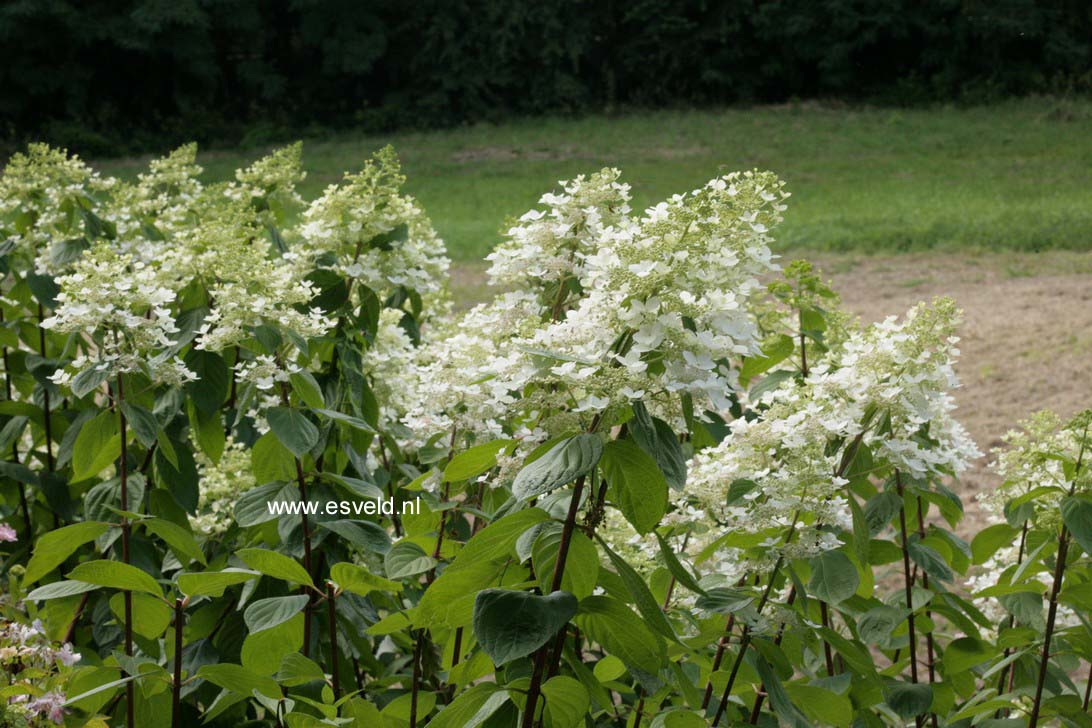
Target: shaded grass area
(1010,176)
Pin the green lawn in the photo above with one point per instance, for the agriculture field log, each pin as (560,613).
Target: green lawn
(1015,176)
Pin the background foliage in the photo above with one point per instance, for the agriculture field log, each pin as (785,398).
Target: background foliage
(108,76)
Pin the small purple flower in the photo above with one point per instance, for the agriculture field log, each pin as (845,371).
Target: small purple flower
(51,705)
(67,657)
(7,533)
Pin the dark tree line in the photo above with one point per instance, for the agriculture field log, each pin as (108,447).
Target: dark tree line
(117,74)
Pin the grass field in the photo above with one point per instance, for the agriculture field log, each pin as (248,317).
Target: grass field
(1011,176)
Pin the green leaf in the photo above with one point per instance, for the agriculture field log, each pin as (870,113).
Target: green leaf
(1077,516)
(647,605)
(822,706)
(53,547)
(88,381)
(296,670)
(308,390)
(563,463)
(908,699)
(268,613)
(238,679)
(512,624)
(964,653)
(293,429)
(581,574)
(179,539)
(472,708)
(406,559)
(97,446)
(271,461)
(213,583)
(116,575)
(475,461)
(773,353)
(360,581)
(621,633)
(151,616)
(834,578)
(788,714)
(210,388)
(567,701)
(365,534)
(675,567)
(987,541)
(724,600)
(929,560)
(636,484)
(60,590)
(143,423)
(354,422)
(877,624)
(275,565)
(656,437)
(498,539)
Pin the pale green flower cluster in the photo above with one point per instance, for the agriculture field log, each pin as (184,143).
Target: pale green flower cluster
(221,484)
(367,229)
(47,196)
(269,185)
(1043,457)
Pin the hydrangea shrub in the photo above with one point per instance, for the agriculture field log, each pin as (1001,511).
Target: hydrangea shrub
(660,479)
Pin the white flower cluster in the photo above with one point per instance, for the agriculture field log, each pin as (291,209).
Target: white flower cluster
(613,309)
(552,245)
(118,303)
(887,387)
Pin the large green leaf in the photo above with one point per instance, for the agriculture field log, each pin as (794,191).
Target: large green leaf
(60,590)
(475,461)
(656,437)
(563,463)
(1077,516)
(213,583)
(878,624)
(269,613)
(151,616)
(53,547)
(512,624)
(964,653)
(581,574)
(641,594)
(567,701)
(293,429)
(360,581)
(271,461)
(238,679)
(116,575)
(472,708)
(178,538)
(622,633)
(637,485)
(908,699)
(834,578)
(210,388)
(96,447)
(406,559)
(276,565)
(987,541)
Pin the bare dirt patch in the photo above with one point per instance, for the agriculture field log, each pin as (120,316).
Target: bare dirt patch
(1026,338)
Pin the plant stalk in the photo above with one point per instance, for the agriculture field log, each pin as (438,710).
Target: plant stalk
(331,616)
(176,686)
(909,586)
(539,668)
(1052,615)
(123,475)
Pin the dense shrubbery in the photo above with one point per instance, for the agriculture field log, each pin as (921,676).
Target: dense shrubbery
(653,489)
(109,76)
